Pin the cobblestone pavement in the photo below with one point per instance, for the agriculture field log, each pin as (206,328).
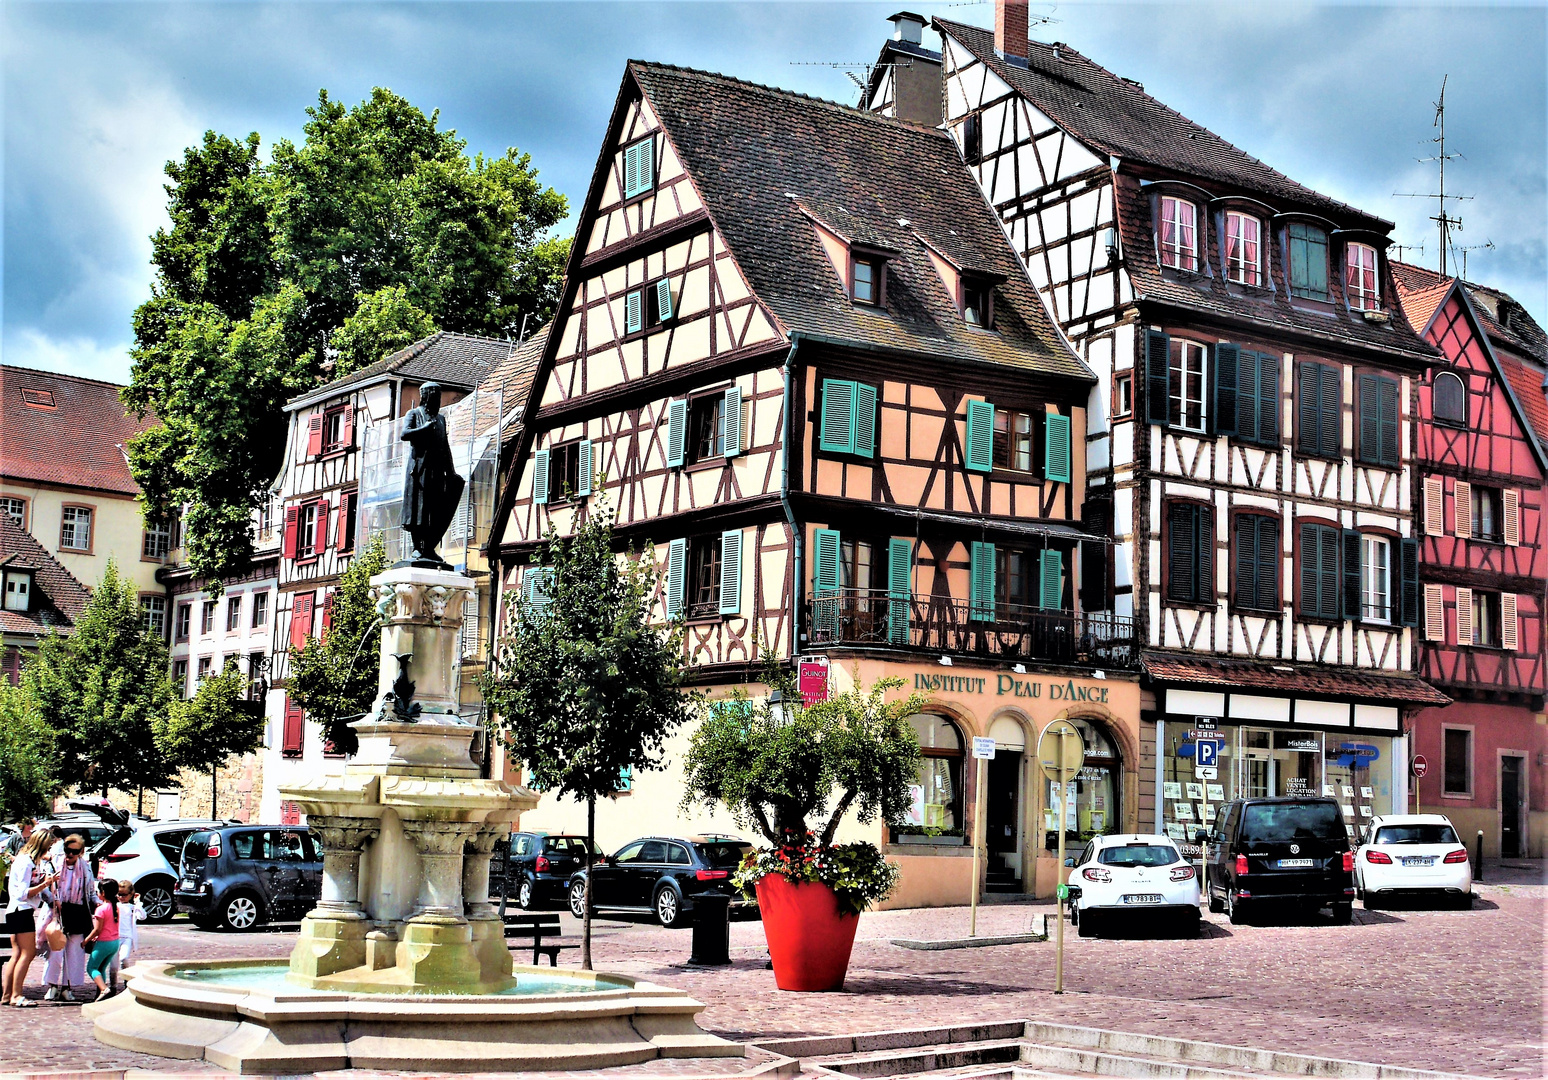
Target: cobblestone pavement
(1455,991)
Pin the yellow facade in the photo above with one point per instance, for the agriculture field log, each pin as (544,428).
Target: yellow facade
(117,532)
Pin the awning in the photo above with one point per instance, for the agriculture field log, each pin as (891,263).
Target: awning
(1300,680)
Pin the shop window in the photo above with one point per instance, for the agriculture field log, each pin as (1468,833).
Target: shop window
(1185,386)
(1243,241)
(1190,567)
(1319,410)
(1179,234)
(1448,399)
(936,795)
(1458,765)
(1378,429)
(1308,256)
(1091,804)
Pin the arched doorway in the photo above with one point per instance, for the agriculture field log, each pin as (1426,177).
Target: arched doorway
(1004,799)
(1094,807)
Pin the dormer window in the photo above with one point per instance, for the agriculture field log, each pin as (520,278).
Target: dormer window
(1179,234)
(1360,277)
(1308,255)
(1244,248)
(866,279)
(977,303)
(18,590)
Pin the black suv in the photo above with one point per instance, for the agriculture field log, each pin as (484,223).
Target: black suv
(662,875)
(244,875)
(1286,852)
(536,868)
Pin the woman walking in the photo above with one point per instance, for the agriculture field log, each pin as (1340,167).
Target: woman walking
(73,894)
(30,877)
(103,938)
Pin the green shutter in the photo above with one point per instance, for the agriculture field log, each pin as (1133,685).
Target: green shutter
(537,586)
(836,430)
(731,418)
(677,432)
(1352,575)
(1227,362)
(1331,409)
(583,468)
(1056,447)
(1387,397)
(1268,398)
(1409,567)
(825,581)
(540,477)
(1158,377)
(1311,568)
(677,572)
(1269,557)
(979,453)
(900,589)
(1051,580)
(634,319)
(1247,404)
(731,572)
(865,420)
(663,300)
(1247,561)
(1370,419)
(981,584)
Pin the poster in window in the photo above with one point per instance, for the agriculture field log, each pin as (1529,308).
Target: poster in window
(1175,831)
(1171,789)
(1098,821)
(1328,791)
(1365,811)
(1206,812)
(1365,793)
(1216,792)
(1348,810)
(1348,791)
(916,804)
(1195,791)
(1183,811)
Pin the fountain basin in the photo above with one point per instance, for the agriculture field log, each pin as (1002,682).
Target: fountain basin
(245,1016)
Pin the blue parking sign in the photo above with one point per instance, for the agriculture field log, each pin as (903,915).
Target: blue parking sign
(1208,753)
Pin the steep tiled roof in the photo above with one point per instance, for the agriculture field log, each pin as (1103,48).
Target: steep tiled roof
(58,599)
(456,361)
(758,154)
(508,383)
(1116,117)
(62,429)
(1528,386)
(1296,679)
(1508,322)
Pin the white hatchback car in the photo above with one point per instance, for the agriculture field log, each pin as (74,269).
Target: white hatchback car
(1124,880)
(1413,855)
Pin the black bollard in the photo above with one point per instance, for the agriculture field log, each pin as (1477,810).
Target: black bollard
(711,930)
(1478,871)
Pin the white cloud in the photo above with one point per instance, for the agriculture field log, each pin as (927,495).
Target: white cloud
(78,355)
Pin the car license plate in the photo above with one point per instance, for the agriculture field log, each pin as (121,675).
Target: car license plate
(186,885)
(1142,898)
(1295,864)
(1418,860)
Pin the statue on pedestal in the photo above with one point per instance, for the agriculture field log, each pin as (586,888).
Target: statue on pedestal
(431,486)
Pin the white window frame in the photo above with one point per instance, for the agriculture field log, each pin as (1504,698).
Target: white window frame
(1124,405)
(16,507)
(1362,285)
(153,609)
(157,541)
(1239,267)
(207,609)
(260,616)
(75,523)
(1177,254)
(1375,579)
(1180,369)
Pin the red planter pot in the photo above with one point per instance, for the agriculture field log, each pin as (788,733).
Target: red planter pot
(809,937)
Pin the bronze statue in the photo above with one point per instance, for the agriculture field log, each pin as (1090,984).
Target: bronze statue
(431,486)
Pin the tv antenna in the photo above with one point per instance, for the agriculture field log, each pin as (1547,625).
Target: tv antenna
(1443,220)
(1487,245)
(859,71)
(1401,248)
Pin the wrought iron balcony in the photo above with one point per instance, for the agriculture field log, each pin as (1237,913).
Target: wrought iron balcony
(949,625)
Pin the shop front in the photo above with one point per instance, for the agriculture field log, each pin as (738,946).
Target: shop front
(933,846)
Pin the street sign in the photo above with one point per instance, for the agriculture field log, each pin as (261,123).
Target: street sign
(1206,772)
(1061,751)
(1208,753)
(1420,766)
(983,747)
(1206,723)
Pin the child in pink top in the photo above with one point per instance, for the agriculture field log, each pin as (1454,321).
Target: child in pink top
(103,938)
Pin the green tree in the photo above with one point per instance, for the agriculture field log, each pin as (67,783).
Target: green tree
(29,760)
(587,685)
(215,725)
(103,690)
(274,277)
(334,677)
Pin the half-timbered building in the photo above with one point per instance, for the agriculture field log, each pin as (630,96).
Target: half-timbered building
(1483,565)
(1250,437)
(796,354)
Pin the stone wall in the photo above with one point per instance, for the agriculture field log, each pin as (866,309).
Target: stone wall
(238,788)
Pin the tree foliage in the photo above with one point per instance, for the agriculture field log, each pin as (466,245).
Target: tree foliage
(103,690)
(29,760)
(778,766)
(374,230)
(334,677)
(215,725)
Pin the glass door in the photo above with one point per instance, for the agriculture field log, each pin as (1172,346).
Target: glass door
(1255,778)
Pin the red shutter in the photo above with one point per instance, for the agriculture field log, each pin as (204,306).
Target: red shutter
(290,813)
(347,520)
(347,428)
(292,526)
(324,519)
(314,435)
(295,729)
(327,615)
(300,619)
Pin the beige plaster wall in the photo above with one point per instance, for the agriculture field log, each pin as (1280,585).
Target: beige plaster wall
(117,531)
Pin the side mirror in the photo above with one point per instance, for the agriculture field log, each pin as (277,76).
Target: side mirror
(1069,862)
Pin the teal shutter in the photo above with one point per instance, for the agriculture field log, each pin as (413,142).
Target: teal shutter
(1268,398)
(1387,394)
(663,300)
(825,582)
(540,477)
(639,168)
(1227,362)
(677,431)
(626,778)
(836,431)
(979,452)
(1051,583)
(537,586)
(1352,575)
(981,599)
(1369,399)
(1409,570)
(583,468)
(865,420)
(1158,377)
(634,319)
(731,417)
(677,571)
(1056,447)
(900,589)
(731,572)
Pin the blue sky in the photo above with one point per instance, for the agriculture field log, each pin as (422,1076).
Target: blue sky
(98,96)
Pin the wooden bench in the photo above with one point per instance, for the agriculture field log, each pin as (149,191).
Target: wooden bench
(523,926)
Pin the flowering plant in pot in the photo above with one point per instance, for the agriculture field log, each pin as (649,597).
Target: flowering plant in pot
(793,772)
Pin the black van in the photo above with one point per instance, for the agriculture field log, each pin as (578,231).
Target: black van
(243,876)
(1286,852)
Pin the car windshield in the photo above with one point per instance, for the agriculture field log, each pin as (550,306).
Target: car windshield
(1416,834)
(1138,855)
(1292,821)
(722,856)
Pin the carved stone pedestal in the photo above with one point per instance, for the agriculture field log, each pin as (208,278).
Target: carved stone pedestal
(333,934)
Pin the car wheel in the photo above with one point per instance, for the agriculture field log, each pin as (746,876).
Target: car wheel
(1190,924)
(241,911)
(1370,899)
(1463,902)
(1343,914)
(524,896)
(1085,924)
(1216,905)
(578,899)
(156,899)
(669,909)
(1235,909)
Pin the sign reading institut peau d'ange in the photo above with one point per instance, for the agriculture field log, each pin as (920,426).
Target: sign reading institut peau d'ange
(1009,686)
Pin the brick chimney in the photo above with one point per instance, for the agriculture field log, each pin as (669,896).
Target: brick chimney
(1011,18)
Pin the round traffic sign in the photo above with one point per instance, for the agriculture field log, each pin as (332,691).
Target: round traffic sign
(1420,765)
(1061,751)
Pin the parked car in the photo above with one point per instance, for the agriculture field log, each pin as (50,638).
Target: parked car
(241,876)
(538,867)
(1413,855)
(1286,852)
(663,875)
(1120,882)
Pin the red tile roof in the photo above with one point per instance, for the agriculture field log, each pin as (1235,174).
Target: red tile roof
(1528,385)
(65,430)
(59,598)
(1303,680)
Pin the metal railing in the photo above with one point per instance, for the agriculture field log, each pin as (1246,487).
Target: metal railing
(955,626)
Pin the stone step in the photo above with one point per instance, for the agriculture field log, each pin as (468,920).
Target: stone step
(932,1061)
